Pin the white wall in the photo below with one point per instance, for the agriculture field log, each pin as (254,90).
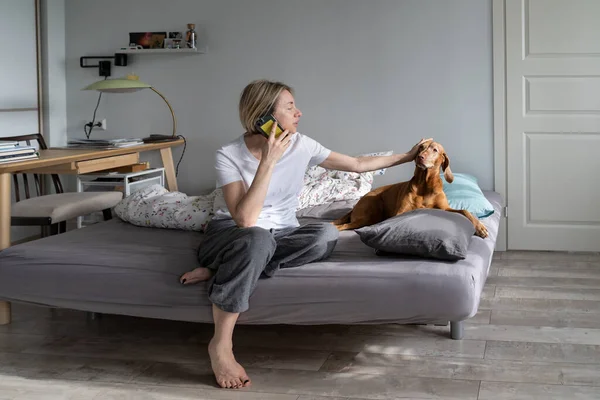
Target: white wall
(369,75)
(54,72)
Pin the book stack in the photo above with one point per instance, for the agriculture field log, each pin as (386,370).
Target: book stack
(12,152)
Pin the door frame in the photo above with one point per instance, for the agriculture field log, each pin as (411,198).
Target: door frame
(38,57)
(499,101)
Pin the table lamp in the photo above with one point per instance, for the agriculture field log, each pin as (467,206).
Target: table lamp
(131,83)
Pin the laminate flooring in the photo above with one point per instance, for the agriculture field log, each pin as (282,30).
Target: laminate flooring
(536,336)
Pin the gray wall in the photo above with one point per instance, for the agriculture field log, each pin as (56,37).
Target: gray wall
(370,75)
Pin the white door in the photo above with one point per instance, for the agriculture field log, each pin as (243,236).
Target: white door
(553,124)
(19,94)
(18,64)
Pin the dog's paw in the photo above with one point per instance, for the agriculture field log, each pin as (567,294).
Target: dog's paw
(481,230)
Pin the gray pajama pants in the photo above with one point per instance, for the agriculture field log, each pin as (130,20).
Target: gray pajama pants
(240,256)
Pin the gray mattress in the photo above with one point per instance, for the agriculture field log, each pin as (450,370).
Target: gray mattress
(117,268)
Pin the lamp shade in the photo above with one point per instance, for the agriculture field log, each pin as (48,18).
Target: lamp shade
(131,83)
(122,85)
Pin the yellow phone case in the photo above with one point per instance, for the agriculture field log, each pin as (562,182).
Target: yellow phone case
(265,124)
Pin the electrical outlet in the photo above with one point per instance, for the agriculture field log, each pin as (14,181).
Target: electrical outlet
(99,124)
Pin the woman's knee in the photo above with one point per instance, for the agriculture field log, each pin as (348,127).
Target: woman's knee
(255,242)
(328,233)
(260,237)
(325,239)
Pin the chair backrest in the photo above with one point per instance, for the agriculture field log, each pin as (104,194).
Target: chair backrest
(39,187)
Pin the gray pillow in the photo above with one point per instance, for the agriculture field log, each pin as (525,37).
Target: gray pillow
(429,233)
(329,211)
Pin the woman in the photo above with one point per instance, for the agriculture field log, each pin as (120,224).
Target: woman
(255,231)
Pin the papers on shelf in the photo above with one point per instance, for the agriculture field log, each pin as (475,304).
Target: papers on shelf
(103,143)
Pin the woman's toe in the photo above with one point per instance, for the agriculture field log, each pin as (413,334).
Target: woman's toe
(183,278)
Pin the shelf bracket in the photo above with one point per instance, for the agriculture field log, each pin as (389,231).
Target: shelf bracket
(104,66)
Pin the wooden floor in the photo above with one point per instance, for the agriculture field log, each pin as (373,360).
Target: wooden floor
(536,336)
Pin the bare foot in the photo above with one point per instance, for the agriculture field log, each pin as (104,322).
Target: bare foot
(194,276)
(228,373)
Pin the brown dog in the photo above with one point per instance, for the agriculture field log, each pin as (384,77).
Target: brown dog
(424,190)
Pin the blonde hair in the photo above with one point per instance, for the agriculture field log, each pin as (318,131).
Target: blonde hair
(259,98)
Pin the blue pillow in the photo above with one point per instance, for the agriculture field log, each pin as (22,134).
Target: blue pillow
(465,194)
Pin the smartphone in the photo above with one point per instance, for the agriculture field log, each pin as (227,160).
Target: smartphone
(265,124)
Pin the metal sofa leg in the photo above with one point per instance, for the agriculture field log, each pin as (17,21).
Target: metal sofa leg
(93,316)
(457,330)
(107,214)
(54,229)
(5,313)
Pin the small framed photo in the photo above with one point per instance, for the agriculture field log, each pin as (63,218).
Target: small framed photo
(148,40)
(172,43)
(175,35)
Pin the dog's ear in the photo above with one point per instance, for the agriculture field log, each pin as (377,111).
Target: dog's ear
(446,168)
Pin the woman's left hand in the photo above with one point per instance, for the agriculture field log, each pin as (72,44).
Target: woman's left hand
(415,150)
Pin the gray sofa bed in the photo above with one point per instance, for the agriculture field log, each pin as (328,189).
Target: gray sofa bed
(118,268)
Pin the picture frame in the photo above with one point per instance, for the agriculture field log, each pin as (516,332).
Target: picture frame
(148,40)
(173,43)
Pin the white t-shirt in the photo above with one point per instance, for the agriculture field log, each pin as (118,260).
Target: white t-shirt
(234,162)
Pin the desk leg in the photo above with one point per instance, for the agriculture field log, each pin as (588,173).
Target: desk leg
(167,160)
(4,312)
(5,200)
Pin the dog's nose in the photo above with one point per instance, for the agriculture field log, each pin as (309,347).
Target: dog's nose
(421,157)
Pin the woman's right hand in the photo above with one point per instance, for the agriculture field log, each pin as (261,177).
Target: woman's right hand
(274,147)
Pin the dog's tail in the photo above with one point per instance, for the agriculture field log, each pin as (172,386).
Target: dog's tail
(343,220)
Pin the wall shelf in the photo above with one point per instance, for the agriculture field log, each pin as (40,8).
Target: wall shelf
(163,51)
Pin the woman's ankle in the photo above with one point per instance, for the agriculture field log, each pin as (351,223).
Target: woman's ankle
(221,343)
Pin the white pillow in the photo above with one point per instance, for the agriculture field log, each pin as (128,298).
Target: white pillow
(154,206)
(322,186)
(381,153)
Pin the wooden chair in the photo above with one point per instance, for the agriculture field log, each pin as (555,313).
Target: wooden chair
(51,211)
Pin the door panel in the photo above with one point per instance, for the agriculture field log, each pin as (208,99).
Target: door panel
(562,95)
(553,124)
(18,83)
(561,27)
(560,191)
(14,123)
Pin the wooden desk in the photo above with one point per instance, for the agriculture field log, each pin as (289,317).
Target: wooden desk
(67,161)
